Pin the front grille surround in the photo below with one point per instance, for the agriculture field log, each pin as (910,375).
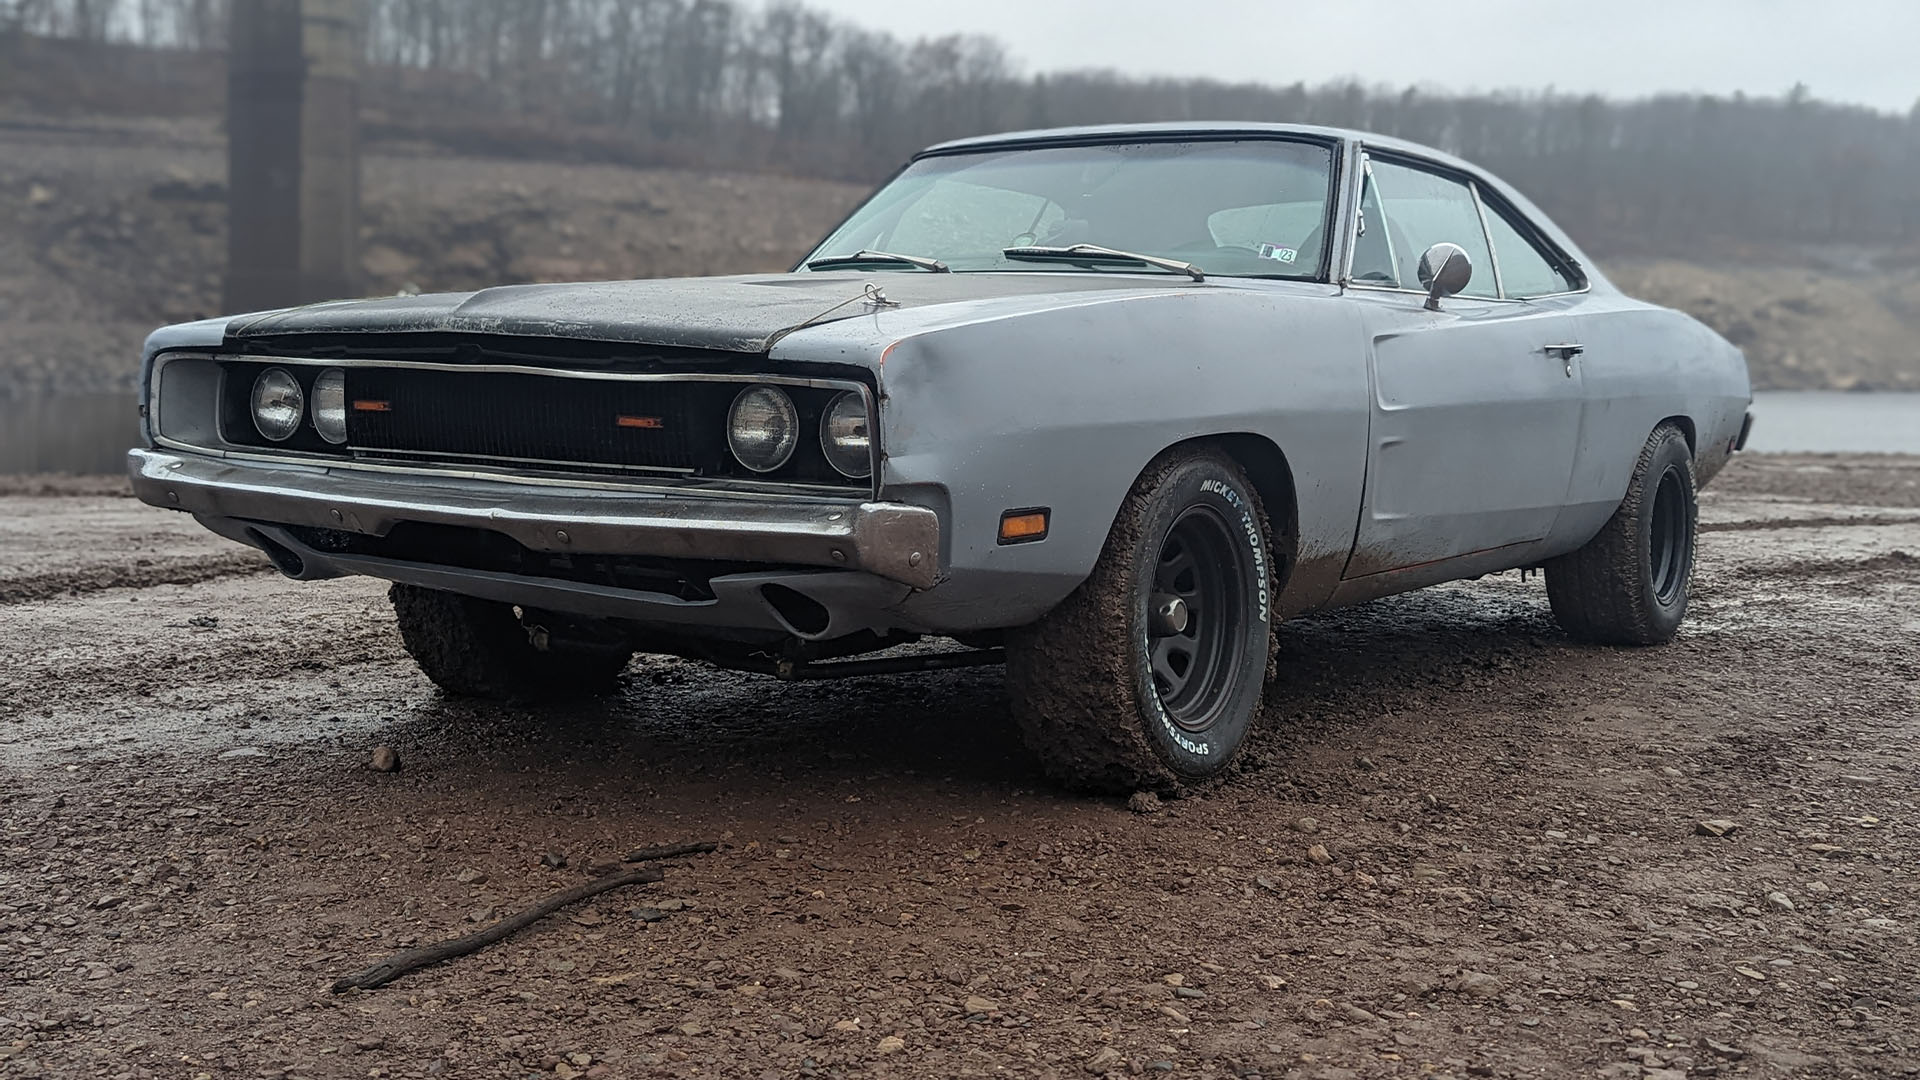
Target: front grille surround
(521,421)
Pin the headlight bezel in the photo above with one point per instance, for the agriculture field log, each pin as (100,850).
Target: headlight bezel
(330,383)
(787,444)
(848,462)
(293,404)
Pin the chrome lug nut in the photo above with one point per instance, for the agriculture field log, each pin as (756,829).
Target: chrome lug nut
(1166,615)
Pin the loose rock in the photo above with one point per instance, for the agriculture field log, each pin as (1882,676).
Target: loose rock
(1318,854)
(385,759)
(1780,901)
(1477,984)
(1715,827)
(892,1044)
(1144,802)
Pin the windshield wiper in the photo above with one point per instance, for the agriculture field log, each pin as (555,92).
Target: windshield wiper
(881,258)
(1093,253)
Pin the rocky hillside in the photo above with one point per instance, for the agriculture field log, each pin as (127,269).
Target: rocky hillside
(110,230)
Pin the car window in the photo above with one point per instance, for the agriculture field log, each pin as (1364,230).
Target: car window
(1233,207)
(1419,209)
(1524,270)
(1288,233)
(973,220)
(1373,255)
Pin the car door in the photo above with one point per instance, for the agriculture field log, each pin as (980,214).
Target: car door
(1476,407)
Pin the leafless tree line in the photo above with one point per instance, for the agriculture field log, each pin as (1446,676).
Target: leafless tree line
(779,85)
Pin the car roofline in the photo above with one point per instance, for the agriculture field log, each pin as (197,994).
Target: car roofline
(1096,133)
(1178,129)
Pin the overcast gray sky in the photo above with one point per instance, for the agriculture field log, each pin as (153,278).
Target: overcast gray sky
(1862,51)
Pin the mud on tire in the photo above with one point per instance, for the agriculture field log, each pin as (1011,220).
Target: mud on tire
(1628,585)
(478,648)
(1108,694)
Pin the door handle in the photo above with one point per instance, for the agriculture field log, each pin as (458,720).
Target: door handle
(1566,351)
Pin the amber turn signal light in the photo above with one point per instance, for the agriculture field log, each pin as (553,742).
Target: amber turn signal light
(1024,526)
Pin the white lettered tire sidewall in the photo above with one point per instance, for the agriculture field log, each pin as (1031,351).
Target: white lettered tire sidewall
(1205,480)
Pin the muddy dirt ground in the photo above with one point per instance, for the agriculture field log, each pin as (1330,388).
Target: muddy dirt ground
(192,844)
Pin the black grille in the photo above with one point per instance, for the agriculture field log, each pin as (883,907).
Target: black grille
(506,416)
(448,415)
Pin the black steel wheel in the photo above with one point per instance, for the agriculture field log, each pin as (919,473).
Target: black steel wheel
(1196,613)
(1150,674)
(1670,536)
(1628,585)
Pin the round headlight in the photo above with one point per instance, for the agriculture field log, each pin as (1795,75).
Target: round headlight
(278,404)
(844,438)
(763,428)
(330,405)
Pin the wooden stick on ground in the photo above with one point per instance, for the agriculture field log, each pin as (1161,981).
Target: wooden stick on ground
(412,960)
(670,851)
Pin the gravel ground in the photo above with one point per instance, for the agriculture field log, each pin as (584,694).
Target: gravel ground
(1463,846)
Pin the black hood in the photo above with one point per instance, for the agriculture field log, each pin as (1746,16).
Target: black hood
(736,314)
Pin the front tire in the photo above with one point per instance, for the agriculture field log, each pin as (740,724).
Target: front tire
(1149,675)
(479,648)
(1628,585)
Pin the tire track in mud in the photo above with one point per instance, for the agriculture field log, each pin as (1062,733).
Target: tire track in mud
(1770,524)
(1891,562)
(143,574)
(172,639)
(136,673)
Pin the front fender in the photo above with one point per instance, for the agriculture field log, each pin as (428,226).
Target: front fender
(1064,408)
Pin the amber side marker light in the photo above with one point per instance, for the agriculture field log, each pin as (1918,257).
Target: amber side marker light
(365,405)
(1024,526)
(651,423)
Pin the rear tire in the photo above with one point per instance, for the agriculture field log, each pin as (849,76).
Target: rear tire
(1628,585)
(479,648)
(1114,689)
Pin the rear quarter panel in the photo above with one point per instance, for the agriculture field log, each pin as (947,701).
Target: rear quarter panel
(1644,364)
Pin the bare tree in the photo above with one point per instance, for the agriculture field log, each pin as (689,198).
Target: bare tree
(730,83)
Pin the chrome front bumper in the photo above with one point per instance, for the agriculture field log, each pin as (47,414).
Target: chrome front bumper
(895,541)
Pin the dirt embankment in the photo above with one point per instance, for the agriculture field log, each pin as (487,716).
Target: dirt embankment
(115,228)
(1515,880)
(113,231)
(1836,321)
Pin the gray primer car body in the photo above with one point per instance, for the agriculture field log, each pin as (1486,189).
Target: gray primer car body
(1394,446)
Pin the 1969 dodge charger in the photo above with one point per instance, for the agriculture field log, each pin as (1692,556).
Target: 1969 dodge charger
(1102,404)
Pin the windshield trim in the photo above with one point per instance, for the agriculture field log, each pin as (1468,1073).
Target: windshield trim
(1335,145)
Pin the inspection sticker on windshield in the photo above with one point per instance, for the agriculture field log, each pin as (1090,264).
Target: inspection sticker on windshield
(1278,253)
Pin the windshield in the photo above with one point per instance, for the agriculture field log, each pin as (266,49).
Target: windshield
(1246,208)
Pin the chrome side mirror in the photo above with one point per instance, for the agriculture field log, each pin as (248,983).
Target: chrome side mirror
(1444,271)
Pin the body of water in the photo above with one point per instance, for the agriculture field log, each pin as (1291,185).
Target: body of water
(1833,422)
(90,433)
(74,433)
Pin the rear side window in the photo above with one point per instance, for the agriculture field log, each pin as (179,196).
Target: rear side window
(1525,271)
(1421,209)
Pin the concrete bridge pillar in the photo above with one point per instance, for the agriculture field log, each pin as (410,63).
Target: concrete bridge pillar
(293,152)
